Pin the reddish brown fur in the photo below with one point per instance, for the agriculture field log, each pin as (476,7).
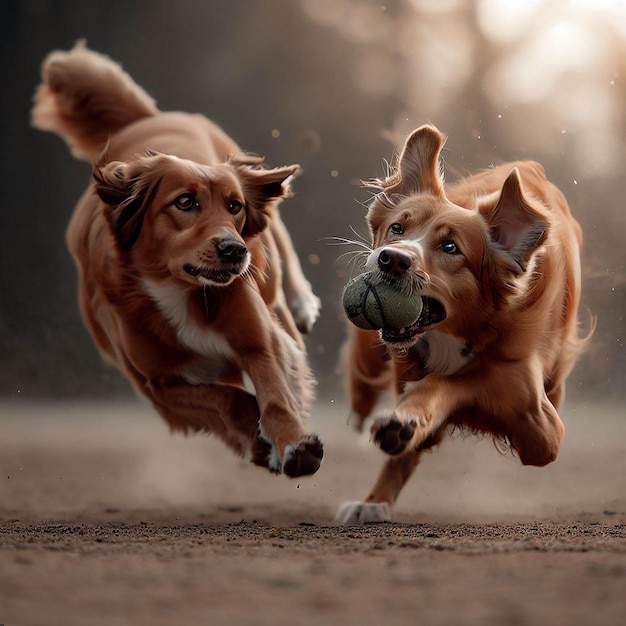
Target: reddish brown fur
(179,248)
(511,298)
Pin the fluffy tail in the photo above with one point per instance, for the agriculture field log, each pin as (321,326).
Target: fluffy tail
(85,97)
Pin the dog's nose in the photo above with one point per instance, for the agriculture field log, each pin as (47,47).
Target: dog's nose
(231,250)
(393,261)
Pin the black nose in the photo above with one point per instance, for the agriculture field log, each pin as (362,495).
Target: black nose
(393,261)
(231,250)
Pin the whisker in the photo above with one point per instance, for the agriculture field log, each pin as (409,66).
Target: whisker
(249,274)
(366,241)
(354,253)
(343,241)
(352,263)
(388,168)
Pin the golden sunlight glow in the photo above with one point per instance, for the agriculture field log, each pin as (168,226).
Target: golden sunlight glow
(551,68)
(535,67)
(616,7)
(506,20)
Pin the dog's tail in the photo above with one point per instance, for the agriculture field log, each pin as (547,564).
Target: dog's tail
(85,97)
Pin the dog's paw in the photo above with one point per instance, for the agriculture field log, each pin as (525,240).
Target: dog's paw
(305,308)
(392,435)
(303,457)
(353,513)
(265,454)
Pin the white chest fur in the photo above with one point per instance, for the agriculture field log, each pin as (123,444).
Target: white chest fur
(173,303)
(445,354)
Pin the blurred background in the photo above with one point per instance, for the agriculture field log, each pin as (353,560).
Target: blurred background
(334,85)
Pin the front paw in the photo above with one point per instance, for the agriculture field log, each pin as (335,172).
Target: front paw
(264,454)
(303,457)
(392,435)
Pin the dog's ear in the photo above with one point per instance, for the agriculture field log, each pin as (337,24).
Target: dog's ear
(515,225)
(126,189)
(419,167)
(261,187)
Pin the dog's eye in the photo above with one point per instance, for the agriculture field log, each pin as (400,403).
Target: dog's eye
(449,247)
(396,228)
(235,207)
(186,202)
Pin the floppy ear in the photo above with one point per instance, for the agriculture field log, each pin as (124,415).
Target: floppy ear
(516,226)
(261,187)
(418,168)
(126,187)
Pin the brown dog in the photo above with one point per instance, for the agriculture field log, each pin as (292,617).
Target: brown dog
(179,248)
(495,259)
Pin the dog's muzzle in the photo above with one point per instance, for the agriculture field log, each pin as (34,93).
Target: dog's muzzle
(232,260)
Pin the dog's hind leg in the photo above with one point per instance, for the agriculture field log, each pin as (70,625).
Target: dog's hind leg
(377,505)
(302,302)
(394,474)
(227,411)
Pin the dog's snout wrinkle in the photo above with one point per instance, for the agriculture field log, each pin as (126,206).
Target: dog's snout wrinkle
(394,262)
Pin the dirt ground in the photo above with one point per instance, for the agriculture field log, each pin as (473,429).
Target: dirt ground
(106,518)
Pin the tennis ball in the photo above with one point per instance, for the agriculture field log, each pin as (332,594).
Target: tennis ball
(372,304)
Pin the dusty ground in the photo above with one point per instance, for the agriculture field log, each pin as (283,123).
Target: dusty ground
(106,518)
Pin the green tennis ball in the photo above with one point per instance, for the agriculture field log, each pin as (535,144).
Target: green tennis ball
(371,304)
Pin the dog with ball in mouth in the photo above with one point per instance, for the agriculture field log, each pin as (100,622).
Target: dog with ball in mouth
(467,309)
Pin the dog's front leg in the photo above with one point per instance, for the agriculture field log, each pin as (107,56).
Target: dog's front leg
(280,378)
(283,385)
(370,373)
(421,410)
(511,398)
